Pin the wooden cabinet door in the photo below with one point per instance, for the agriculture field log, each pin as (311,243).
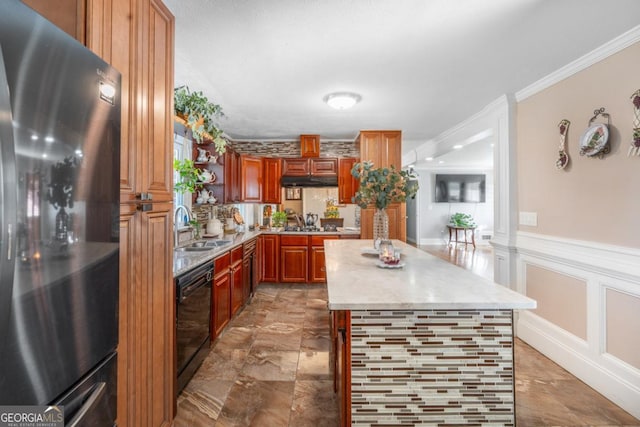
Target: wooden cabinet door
(271,174)
(68,15)
(309,145)
(232,176)
(324,166)
(347,184)
(317,271)
(397,222)
(251,183)
(270,257)
(222,301)
(295,167)
(383,148)
(293,264)
(236,273)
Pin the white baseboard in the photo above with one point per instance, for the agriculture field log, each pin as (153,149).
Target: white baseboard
(573,354)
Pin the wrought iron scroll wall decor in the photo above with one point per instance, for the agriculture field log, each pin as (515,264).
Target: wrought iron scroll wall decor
(563,156)
(595,140)
(634,149)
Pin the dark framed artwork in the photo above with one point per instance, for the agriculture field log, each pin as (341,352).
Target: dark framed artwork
(293,193)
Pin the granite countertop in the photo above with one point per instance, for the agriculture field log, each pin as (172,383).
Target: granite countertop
(354,282)
(185,261)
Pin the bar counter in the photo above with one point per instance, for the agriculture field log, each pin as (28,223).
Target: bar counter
(428,343)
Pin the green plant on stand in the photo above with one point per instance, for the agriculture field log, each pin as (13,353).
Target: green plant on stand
(464,220)
(189,176)
(200,116)
(278,218)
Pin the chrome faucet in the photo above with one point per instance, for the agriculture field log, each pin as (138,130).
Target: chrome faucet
(177,222)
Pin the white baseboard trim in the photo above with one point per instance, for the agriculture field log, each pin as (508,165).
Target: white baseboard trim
(574,355)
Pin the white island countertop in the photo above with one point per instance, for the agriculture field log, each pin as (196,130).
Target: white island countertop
(354,282)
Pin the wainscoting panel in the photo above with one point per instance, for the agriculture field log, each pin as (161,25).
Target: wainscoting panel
(608,358)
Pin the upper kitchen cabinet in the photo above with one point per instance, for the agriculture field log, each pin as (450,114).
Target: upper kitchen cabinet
(68,15)
(271,174)
(309,145)
(347,184)
(382,147)
(251,179)
(295,167)
(323,166)
(232,176)
(317,166)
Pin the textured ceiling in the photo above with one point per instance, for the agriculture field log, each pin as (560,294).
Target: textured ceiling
(421,66)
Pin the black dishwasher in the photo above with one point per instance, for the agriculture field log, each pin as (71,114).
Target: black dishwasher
(193,318)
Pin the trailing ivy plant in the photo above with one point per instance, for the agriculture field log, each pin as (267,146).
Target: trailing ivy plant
(201,116)
(189,176)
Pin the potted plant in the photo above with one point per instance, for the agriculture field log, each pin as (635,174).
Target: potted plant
(278,218)
(463,220)
(199,115)
(189,176)
(379,187)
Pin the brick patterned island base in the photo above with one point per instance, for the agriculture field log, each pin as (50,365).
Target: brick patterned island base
(410,348)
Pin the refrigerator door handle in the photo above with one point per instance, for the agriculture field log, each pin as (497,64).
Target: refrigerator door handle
(9,239)
(96,396)
(8,200)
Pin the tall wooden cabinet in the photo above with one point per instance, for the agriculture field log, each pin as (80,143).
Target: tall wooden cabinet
(384,149)
(137,38)
(271,174)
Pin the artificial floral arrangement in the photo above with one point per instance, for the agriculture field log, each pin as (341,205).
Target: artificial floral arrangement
(459,219)
(382,186)
(200,116)
(331,210)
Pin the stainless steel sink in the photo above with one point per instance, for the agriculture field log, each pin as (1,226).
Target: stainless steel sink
(217,243)
(193,249)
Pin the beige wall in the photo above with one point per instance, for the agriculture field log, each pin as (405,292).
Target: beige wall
(561,299)
(623,326)
(592,199)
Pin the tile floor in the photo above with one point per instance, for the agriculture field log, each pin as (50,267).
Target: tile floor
(271,368)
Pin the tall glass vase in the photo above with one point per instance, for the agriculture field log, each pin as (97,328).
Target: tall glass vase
(380,226)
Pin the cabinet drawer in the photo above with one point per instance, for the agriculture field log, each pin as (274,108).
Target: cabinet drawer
(319,240)
(236,254)
(221,264)
(293,240)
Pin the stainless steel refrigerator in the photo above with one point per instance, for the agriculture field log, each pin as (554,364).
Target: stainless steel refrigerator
(59,212)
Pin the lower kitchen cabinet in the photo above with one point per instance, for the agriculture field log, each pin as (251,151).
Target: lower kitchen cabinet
(294,256)
(221,301)
(270,246)
(317,271)
(237,293)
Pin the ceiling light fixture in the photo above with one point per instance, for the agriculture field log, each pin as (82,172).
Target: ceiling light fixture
(457,147)
(342,100)
(429,159)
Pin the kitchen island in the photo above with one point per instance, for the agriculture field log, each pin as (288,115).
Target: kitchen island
(428,343)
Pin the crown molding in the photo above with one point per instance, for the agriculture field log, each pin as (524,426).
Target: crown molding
(611,47)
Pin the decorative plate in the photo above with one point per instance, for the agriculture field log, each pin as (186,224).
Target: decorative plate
(392,266)
(594,139)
